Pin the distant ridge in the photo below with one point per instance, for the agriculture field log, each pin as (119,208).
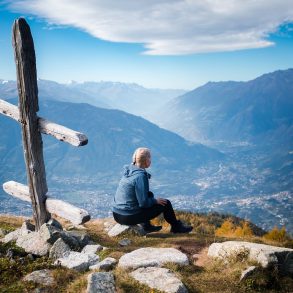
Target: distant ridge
(253,111)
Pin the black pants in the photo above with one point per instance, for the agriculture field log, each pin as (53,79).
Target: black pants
(148,214)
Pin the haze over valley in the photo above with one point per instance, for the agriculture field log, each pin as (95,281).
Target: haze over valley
(228,147)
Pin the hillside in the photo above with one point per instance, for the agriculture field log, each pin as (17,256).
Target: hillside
(88,176)
(258,111)
(202,274)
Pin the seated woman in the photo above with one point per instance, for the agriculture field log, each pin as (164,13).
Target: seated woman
(135,204)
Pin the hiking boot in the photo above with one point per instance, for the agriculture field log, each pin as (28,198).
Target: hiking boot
(181,228)
(149,228)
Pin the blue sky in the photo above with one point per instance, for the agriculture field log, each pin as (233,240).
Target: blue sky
(158,44)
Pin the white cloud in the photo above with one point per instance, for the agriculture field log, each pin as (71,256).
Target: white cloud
(169,27)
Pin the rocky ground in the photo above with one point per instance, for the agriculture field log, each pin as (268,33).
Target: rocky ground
(103,257)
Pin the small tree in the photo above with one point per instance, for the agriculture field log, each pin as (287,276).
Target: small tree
(276,234)
(243,231)
(227,229)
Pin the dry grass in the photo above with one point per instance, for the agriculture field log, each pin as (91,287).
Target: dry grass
(202,275)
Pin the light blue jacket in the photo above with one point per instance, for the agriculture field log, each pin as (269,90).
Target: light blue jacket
(132,194)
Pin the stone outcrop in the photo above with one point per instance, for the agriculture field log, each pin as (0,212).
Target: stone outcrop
(43,277)
(101,283)
(152,257)
(265,255)
(78,261)
(118,230)
(159,278)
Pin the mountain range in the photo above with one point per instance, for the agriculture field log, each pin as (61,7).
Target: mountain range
(258,111)
(129,97)
(246,167)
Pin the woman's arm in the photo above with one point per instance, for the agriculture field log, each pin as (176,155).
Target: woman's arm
(141,191)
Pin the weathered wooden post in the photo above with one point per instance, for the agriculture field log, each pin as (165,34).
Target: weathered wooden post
(25,60)
(32,126)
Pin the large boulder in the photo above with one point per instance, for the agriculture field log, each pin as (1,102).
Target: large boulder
(159,278)
(152,257)
(33,243)
(265,255)
(101,283)
(43,277)
(119,230)
(78,261)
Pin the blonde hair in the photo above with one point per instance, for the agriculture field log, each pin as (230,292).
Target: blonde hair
(140,155)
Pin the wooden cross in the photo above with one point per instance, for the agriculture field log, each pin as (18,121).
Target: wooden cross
(32,126)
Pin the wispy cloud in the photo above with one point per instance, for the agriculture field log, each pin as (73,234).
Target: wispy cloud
(169,27)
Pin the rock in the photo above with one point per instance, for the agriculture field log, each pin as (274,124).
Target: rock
(93,248)
(101,283)
(78,261)
(59,249)
(108,225)
(43,277)
(123,229)
(106,264)
(38,243)
(12,236)
(265,255)
(159,278)
(33,243)
(124,242)
(248,272)
(55,223)
(81,237)
(27,226)
(152,257)
(70,240)
(25,229)
(49,233)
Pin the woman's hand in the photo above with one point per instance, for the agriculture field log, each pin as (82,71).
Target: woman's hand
(162,201)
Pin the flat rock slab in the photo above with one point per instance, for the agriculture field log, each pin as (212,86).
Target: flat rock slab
(78,261)
(152,257)
(124,229)
(265,255)
(43,277)
(101,283)
(106,264)
(92,248)
(159,278)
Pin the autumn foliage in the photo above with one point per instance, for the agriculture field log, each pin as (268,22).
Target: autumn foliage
(229,229)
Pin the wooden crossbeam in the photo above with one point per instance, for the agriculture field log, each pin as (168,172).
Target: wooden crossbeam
(60,132)
(58,207)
